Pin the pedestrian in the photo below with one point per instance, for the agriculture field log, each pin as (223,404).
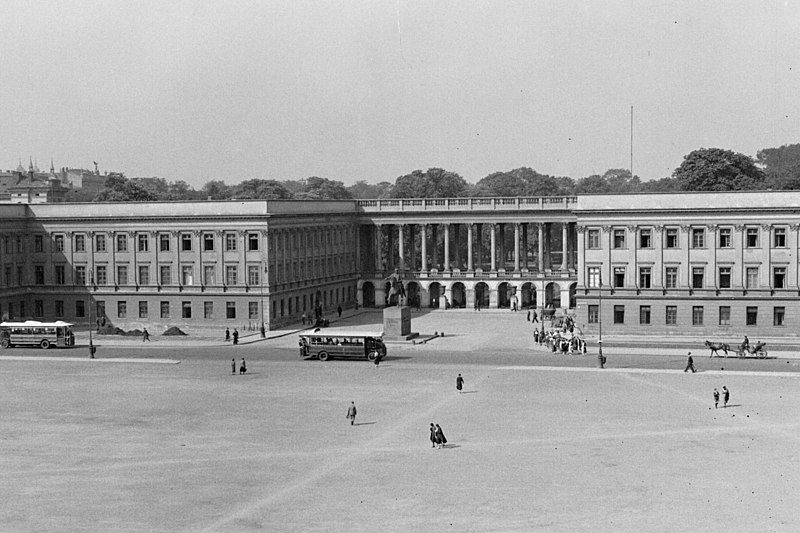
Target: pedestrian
(529,315)
(716,398)
(303,318)
(242,367)
(440,440)
(433,436)
(726,395)
(235,336)
(227,335)
(536,336)
(339,310)
(689,364)
(145,335)
(351,413)
(263,331)
(535,316)
(459,383)
(233,366)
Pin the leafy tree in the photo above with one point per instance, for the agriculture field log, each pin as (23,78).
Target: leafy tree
(118,188)
(501,184)
(523,181)
(781,166)
(363,190)
(715,169)
(615,180)
(261,189)
(216,190)
(667,184)
(434,183)
(323,189)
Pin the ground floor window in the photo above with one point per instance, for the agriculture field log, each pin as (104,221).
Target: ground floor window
(619,314)
(80,309)
(230,309)
(142,309)
(697,315)
(208,309)
(778,316)
(164,309)
(593,314)
(38,308)
(59,308)
(122,309)
(252,310)
(644,315)
(724,315)
(672,315)
(186,309)
(752,316)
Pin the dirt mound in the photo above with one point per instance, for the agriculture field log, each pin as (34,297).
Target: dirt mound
(174,330)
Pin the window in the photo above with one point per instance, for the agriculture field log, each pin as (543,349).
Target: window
(20,276)
(751,237)
(38,243)
(697,315)
(59,308)
(208,309)
(144,275)
(230,242)
(697,277)
(186,242)
(187,275)
(164,309)
(165,277)
(142,242)
(252,241)
(142,309)
(9,281)
(645,238)
(122,274)
(594,314)
(38,308)
(80,308)
(101,276)
(208,242)
(752,316)
(619,276)
(724,277)
(779,277)
(163,242)
(779,239)
(60,275)
(593,240)
(724,315)
(619,238)
(230,309)
(186,309)
(100,243)
(672,315)
(778,316)
(122,242)
(19,250)
(100,309)
(619,314)
(644,315)
(752,277)
(80,243)
(230,275)
(593,276)
(209,275)
(38,274)
(644,278)
(253,275)
(22,309)
(698,238)
(122,309)
(80,275)
(672,238)
(59,243)
(252,310)
(725,237)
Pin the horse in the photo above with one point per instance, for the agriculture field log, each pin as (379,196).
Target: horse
(714,346)
(396,289)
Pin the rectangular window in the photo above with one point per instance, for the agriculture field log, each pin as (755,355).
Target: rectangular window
(122,274)
(778,316)
(619,276)
(208,309)
(724,315)
(252,241)
(724,237)
(751,238)
(80,242)
(252,310)
(38,274)
(644,315)
(698,238)
(230,309)
(100,242)
(80,275)
(100,309)
(697,315)
(253,275)
(9,281)
(164,309)
(779,277)
(593,277)
(752,277)
(209,275)
(593,239)
(644,277)
(186,242)
(20,276)
(101,276)
(144,275)
(230,242)
(186,309)
(80,308)
(645,238)
(60,275)
(594,315)
(230,275)
(208,242)
(38,243)
(187,275)
(59,243)
(724,277)
(672,238)
(698,273)
(619,314)
(619,238)
(779,240)
(142,242)
(165,277)
(163,242)
(38,308)
(752,316)
(142,309)
(122,309)
(59,308)
(122,242)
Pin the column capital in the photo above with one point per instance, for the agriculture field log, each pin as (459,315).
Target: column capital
(740,227)
(794,227)
(659,227)
(197,232)
(633,228)
(606,229)
(175,233)
(766,227)
(712,227)
(580,228)
(686,228)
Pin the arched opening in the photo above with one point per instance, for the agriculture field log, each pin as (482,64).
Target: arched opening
(412,294)
(482,295)
(504,295)
(368,294)
(435,290)
(573,300)
(459,295)
(552,296)
(528,294)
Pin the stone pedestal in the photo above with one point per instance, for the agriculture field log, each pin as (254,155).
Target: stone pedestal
(397,324)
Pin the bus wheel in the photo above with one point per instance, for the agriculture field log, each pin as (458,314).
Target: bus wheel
(5,343)
(45,344)
(371,356)
(323,356)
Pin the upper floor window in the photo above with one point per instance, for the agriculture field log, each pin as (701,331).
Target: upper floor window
(593,277)
(698,273)
(779,277)
(752,277)
(644,277)
(593,239)
(38,243)
(725,238)
(80,242)
(143,242)
(671,240)
(751,238)
(122,242)
(230,242)
(779,239)
(163,242)
(724,277)
(59,243)
(208,242)
(252,241)
(100,243)
(619,238)
(671,277)
(645,238)
(619,276)
(186,242)
(698,238)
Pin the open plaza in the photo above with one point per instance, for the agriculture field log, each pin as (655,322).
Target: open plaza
(162,436)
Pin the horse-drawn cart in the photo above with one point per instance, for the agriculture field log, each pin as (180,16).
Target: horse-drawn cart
(743,350)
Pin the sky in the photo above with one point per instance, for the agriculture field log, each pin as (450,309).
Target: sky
(371,90)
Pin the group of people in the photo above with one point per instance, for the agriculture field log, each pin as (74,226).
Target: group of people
(242,367)
(726,395)
(437,436)
(557,341)
(235,335)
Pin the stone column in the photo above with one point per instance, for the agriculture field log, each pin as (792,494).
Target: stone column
(493,244)
(412,249)
(540,244)
(516,247)
(378,258)
(423,239)
(469,250)
(435,243)
(446,247)
(400,248)
(564,248)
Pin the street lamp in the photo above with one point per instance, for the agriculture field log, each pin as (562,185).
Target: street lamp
(601,360)
(261,288)
(91,306)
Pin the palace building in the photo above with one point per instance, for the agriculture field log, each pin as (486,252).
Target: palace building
(694,263)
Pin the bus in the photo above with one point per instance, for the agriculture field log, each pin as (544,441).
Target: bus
(323,344)
(32,333)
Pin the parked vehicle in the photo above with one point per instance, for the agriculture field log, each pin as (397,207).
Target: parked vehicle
(328,343)
(33,333)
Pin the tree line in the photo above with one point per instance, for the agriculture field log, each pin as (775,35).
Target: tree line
(706,169)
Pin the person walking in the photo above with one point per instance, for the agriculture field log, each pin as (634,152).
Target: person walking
(242,367)
(529,315)
(535,316)
(235,336)
(303,318)
(227,335)
(689,364)
(433,436)
(459,383)
(440,439)
(339,310)
(726,395)
(351,413)
(716,398)
(145,335)
(233,366)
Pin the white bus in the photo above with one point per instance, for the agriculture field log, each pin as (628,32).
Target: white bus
(32,333)
(324,344)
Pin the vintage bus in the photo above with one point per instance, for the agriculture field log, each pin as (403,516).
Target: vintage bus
(32,333)
(324,344)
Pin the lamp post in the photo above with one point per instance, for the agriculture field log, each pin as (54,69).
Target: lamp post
(601,360)
(261,288)
(91,306)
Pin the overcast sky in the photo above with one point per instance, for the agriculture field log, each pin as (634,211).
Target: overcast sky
(371,90)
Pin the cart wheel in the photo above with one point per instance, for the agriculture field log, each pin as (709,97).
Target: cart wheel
(45,344)
(762,354)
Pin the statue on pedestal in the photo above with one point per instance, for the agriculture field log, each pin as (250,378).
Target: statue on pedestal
(397,288)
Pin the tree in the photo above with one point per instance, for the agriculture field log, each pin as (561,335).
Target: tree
(258,189)
(216,190)
(501,184)
(434,183)
(715,169)
(363,190)
(323,189)
(666,184)
(615,180)
(523,181)
(781,166)
(118,188)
